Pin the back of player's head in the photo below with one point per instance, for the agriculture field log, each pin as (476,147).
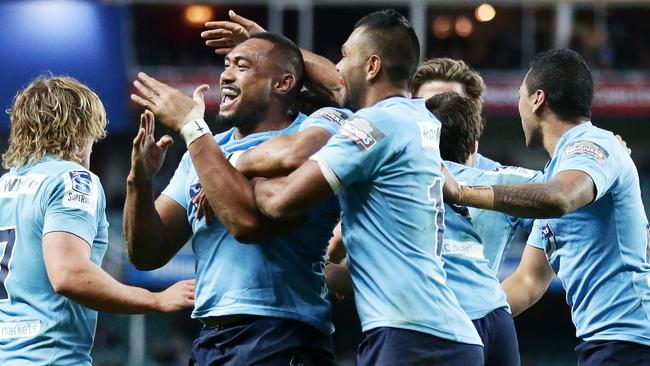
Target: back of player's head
(54,115)
(286,55)
(446,69)
(461,122)
(389,35)
(566,80)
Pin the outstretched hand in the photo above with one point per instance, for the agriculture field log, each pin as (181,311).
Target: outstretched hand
(170,105)
(225,35)
(148,155)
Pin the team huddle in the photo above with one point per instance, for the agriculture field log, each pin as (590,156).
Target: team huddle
(373,189)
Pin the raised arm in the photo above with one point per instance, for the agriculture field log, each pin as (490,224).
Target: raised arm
(154,232)
(320,73)
(229,193)
(74,275)
(529,282)
(564,193)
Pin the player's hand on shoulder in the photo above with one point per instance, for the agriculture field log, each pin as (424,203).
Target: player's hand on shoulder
(170,105)
(225,35)
(451,188)
(176,297)
(147,155)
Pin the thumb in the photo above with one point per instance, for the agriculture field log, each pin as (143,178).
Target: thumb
(246,23)
(199,93)
(165,142)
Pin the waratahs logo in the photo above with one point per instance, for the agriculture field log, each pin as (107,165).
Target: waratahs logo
(194,190)
(81,181)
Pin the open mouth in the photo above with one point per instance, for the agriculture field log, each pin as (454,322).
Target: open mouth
(229,95)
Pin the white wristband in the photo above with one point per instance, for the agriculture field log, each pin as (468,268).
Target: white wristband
(194,129)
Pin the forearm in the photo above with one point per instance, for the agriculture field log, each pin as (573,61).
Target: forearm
(321,76)
(522,292)
(537,200)
(90,286)
(141,225)
(282,155)
(230,194)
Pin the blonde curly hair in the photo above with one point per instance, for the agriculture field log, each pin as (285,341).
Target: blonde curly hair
(55,115)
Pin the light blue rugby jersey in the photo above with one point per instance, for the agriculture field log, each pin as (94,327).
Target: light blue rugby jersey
(599,252)
(387,161)
(496,229)
(282,277)
(485,163)
(37,325)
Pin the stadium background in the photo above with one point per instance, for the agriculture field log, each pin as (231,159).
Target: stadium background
(105,43)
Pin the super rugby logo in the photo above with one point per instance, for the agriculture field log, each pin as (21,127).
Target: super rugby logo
(81,181)
(548,235)
(361,132)
(585,147)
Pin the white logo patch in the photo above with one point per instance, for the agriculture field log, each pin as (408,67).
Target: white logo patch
(80,191)
(429,134)
(13,185)
(513,170)
(25,329)
(466,248)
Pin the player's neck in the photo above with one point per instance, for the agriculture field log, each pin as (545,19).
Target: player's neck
(380,92)
(273,121)
(554,128)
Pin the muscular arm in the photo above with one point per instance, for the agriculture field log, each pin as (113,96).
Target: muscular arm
(292,196)
(529,282)
(231,195)
(73,275)
(281,155)
(154,232)
(566,192)
(321,76)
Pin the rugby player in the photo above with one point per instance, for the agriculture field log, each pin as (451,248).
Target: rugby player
(382,162)
(54,232)
(264,303)
(591,228)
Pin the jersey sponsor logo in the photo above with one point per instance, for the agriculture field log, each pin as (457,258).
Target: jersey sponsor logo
(429,134)
(550,243)
(330,114)
(466,248)
(23,329)
(514,170)
(194,190)
(80,192)
(361,132)
(81,181)
(585,147)
(13,185)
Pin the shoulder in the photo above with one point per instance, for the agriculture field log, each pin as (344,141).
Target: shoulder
(591,142)
(331,114)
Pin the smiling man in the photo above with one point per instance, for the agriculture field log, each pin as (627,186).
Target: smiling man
(264,303)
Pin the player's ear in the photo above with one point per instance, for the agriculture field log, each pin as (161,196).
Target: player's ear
(284,84)
(373,67)
(539,100)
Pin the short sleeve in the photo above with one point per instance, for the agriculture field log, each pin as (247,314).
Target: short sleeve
(356,152)
(592,158)
(176,187)
(535,239)
(328,118)
(75,204)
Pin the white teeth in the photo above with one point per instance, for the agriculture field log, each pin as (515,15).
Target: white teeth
(229,92)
